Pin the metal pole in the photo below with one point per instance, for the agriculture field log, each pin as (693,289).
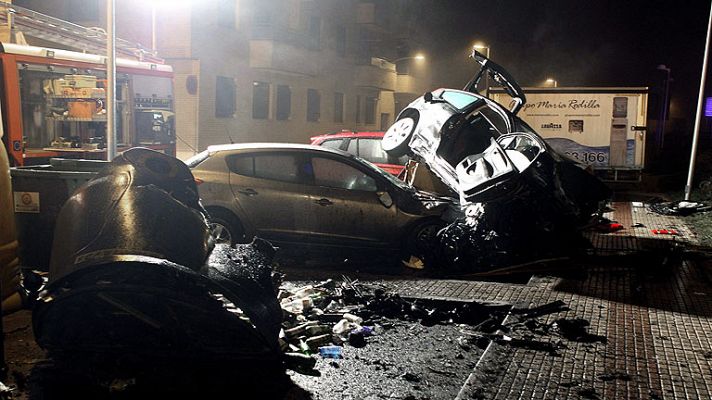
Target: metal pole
(153,27)
(698,117)
(110,81)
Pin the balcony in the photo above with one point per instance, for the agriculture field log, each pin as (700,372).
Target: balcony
(378,74)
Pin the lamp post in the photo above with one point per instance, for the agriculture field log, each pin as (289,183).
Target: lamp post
(480,46)
(698,115)
(110,81)
(417,57)
(661,139)
(553,82)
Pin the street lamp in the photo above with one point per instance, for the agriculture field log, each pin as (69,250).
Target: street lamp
(480,46)
(553,82)
(417,57)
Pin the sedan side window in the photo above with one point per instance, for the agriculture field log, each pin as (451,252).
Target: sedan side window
(278,167)
(241,165)
(332,144)
(370,149)
(338,175)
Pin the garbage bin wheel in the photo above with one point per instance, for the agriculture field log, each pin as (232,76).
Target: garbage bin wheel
(397,138)
(225,227)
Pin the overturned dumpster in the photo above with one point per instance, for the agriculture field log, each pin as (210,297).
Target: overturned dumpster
(134,276)
(520,198)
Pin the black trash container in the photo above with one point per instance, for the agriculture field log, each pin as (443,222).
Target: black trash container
(39,192)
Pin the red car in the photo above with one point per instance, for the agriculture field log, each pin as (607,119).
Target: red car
(366,145)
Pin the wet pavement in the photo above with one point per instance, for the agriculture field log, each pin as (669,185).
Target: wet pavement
(648,308)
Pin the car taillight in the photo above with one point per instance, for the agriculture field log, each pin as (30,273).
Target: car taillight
(198,181)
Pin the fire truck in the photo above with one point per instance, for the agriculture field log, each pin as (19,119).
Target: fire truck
(53,99)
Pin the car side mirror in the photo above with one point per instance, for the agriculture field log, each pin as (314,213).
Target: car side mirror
(385,198)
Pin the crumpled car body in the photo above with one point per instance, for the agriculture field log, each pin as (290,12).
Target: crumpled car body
(134,275)
(483,152)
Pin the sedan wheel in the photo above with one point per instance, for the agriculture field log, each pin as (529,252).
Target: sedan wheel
(397,137)
(221,232)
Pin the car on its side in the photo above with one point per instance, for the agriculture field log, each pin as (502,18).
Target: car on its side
(485,153)
(311,197)
(366,145)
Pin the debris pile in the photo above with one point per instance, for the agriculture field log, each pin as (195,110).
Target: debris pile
(678,207)
(322,318)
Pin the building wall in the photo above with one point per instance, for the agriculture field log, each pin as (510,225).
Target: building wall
(269,41)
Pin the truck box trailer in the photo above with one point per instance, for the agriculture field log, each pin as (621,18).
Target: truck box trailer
(603,127)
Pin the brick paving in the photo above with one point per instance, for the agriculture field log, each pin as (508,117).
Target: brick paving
(655,315)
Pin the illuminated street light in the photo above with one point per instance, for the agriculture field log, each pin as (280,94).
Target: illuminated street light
(417,57)
(552,82)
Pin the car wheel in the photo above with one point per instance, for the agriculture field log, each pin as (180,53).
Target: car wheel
(397,137)
(421,241)
(225,228)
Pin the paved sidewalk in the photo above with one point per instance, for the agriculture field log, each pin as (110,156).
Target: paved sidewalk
(656,315)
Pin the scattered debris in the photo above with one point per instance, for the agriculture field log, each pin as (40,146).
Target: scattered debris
(678,207)
(577,330)
(672,232)
(6,392)
(549,308)
(588,393)
(621,376)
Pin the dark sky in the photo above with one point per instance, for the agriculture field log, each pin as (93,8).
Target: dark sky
(580,43)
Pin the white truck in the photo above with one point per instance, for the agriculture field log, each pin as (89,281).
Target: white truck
(603,127)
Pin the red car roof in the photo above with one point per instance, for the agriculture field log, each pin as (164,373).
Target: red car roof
(347,134)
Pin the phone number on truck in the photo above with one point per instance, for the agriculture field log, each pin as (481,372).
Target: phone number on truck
(588,157)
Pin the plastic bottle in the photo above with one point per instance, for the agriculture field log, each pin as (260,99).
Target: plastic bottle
(331,351)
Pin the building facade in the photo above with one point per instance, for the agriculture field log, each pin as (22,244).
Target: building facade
(271,70)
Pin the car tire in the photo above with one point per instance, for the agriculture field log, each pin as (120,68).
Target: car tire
(225,227)
(421,240)
(397,138)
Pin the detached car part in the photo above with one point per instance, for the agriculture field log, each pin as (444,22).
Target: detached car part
(130,274)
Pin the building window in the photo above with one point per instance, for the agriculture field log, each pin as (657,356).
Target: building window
(371,110)
(260,100)
(338,107)
(358,109)
(224,97)
(341,41)
(314,36)
(263,13)
(226,13)
(313,105)
(284,102)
